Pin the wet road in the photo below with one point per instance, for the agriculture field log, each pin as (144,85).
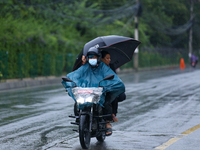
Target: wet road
(162,111)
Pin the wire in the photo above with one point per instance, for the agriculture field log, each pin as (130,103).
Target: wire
(65,9)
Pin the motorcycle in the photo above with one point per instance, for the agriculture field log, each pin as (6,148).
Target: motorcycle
(193,60)
(88,113)
(193,64)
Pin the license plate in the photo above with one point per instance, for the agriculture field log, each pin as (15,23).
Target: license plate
(85,91)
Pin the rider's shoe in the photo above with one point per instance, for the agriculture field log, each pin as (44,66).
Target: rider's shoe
(115,119)
(109,129)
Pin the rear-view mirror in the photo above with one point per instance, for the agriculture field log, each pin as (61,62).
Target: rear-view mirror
(108,77)
(66,79)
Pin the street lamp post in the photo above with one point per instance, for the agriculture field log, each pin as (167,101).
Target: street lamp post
(137,49)
(191,31)
(136,35)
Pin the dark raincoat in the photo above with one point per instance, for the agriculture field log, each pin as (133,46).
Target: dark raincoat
(86,76)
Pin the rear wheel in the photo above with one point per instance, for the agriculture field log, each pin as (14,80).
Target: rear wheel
(84,133)
(102,135)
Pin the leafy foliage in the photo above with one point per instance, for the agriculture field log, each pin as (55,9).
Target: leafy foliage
(42,34)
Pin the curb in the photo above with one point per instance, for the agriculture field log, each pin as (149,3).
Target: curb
(9,85)
(52,80)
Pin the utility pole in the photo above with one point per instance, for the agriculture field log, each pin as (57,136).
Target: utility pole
(136,36)
(190,33)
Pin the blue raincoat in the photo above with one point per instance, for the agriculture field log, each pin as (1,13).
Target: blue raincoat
(87,76)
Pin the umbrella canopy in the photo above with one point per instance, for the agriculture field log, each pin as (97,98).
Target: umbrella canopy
(121,49)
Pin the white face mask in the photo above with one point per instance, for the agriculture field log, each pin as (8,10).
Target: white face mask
(93,62)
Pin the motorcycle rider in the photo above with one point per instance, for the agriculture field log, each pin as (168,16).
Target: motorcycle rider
(89,75)
(193,60)
(106,59)
(94,57)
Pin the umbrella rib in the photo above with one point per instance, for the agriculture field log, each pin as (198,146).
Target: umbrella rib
(122,52)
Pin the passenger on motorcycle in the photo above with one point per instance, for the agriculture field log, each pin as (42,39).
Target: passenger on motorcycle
(106,58)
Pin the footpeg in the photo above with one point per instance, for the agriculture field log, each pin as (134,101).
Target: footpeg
(71,116)
(76,130)
(103,116)
(103,129)
(104,122)
(75,123)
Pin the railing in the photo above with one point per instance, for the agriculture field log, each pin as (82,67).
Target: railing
(34,66)
(155,57)
(56,65)
(3,64)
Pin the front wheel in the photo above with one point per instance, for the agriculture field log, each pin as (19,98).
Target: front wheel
(84,133)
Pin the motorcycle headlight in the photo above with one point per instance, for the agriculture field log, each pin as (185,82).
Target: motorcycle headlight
(80,100)
(89,99)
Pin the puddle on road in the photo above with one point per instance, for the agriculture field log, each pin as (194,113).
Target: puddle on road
(119,140)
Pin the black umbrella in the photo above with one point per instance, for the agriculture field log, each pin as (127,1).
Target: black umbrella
(121,49)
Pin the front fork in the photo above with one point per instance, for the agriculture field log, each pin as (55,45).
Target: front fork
(90,114)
